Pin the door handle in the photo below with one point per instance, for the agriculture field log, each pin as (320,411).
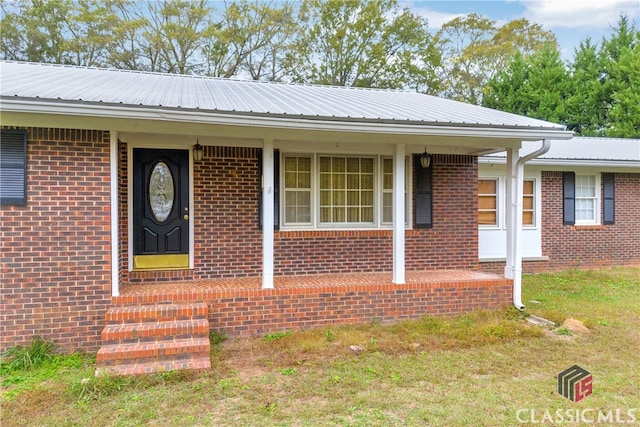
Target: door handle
(186,217)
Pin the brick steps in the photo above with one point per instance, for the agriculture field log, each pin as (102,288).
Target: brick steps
(154,338)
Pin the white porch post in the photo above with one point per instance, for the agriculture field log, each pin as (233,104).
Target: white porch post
(398,214)
(113,178)
(268,183)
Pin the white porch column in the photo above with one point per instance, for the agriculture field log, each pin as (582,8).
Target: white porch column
(398,213)
(115,242)
(268,183)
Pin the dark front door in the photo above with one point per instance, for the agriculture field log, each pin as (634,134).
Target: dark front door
(160,208)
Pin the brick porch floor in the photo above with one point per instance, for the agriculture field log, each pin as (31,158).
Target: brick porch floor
(204,289)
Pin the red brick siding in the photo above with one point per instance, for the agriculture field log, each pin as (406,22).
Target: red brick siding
(55,250)
(569,246)
(453,240)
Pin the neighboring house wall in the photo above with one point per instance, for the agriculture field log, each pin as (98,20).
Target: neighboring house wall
(55,250)
(584,246)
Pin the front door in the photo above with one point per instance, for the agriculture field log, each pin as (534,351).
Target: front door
(160,209)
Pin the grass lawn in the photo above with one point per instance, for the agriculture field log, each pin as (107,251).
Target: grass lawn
(481,369)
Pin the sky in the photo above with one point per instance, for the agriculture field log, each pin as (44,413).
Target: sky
(570,20)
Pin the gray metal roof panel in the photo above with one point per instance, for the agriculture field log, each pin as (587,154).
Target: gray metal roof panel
(75,84)
(585,149)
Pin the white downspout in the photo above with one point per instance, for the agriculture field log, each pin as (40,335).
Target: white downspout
(513,269)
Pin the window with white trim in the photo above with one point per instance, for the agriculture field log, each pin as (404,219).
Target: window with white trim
(586,199)
(346,190)
(528,203)
(325,191)
(297,190)
(488,202)
(490,191)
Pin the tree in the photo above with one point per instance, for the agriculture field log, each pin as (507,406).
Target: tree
(474,50)
(625,109)
(173,34)
(252,37)
(536,86)
(586,106)
(34,30)
(354,43)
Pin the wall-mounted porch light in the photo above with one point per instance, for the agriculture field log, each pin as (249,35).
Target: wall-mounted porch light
(198,151)
(425,159)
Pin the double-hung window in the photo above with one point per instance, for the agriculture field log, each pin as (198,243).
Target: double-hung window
(489,194)
(586,199)
(327,191)
(488,202)
(297,190)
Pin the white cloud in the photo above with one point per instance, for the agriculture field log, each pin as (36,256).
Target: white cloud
(590,14)
(436,19)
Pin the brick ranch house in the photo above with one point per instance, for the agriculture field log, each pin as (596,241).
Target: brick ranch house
(580,202)
(140,210)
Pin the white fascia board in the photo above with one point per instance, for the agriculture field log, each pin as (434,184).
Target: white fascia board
(207,117)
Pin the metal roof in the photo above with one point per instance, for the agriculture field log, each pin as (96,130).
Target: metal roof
(83,85)
(584,150)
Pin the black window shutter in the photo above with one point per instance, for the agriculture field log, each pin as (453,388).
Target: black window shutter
(569,198)
(276,190)
(423,195)
(608,203)
(13,167)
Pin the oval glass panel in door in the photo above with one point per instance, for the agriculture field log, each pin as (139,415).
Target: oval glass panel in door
(161,191)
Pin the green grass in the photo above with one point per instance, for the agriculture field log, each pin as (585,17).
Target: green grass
(473,370)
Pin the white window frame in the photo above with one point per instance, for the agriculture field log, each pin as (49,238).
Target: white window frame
(597,199)
(378,186)
(500,197)
(536,191)
(501,202)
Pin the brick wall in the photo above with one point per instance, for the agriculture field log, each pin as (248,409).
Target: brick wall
(55,251)
(570,246)
(228,238)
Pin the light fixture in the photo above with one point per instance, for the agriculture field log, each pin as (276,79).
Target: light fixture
(198,151)
(425,159)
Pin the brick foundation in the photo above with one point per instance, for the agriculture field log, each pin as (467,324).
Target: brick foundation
(260,311)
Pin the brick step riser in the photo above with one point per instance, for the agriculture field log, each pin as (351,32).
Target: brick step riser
(115,316)
(129,333)
(152,339)
(153,349)
(156,359)
(168,310)
(199,364)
